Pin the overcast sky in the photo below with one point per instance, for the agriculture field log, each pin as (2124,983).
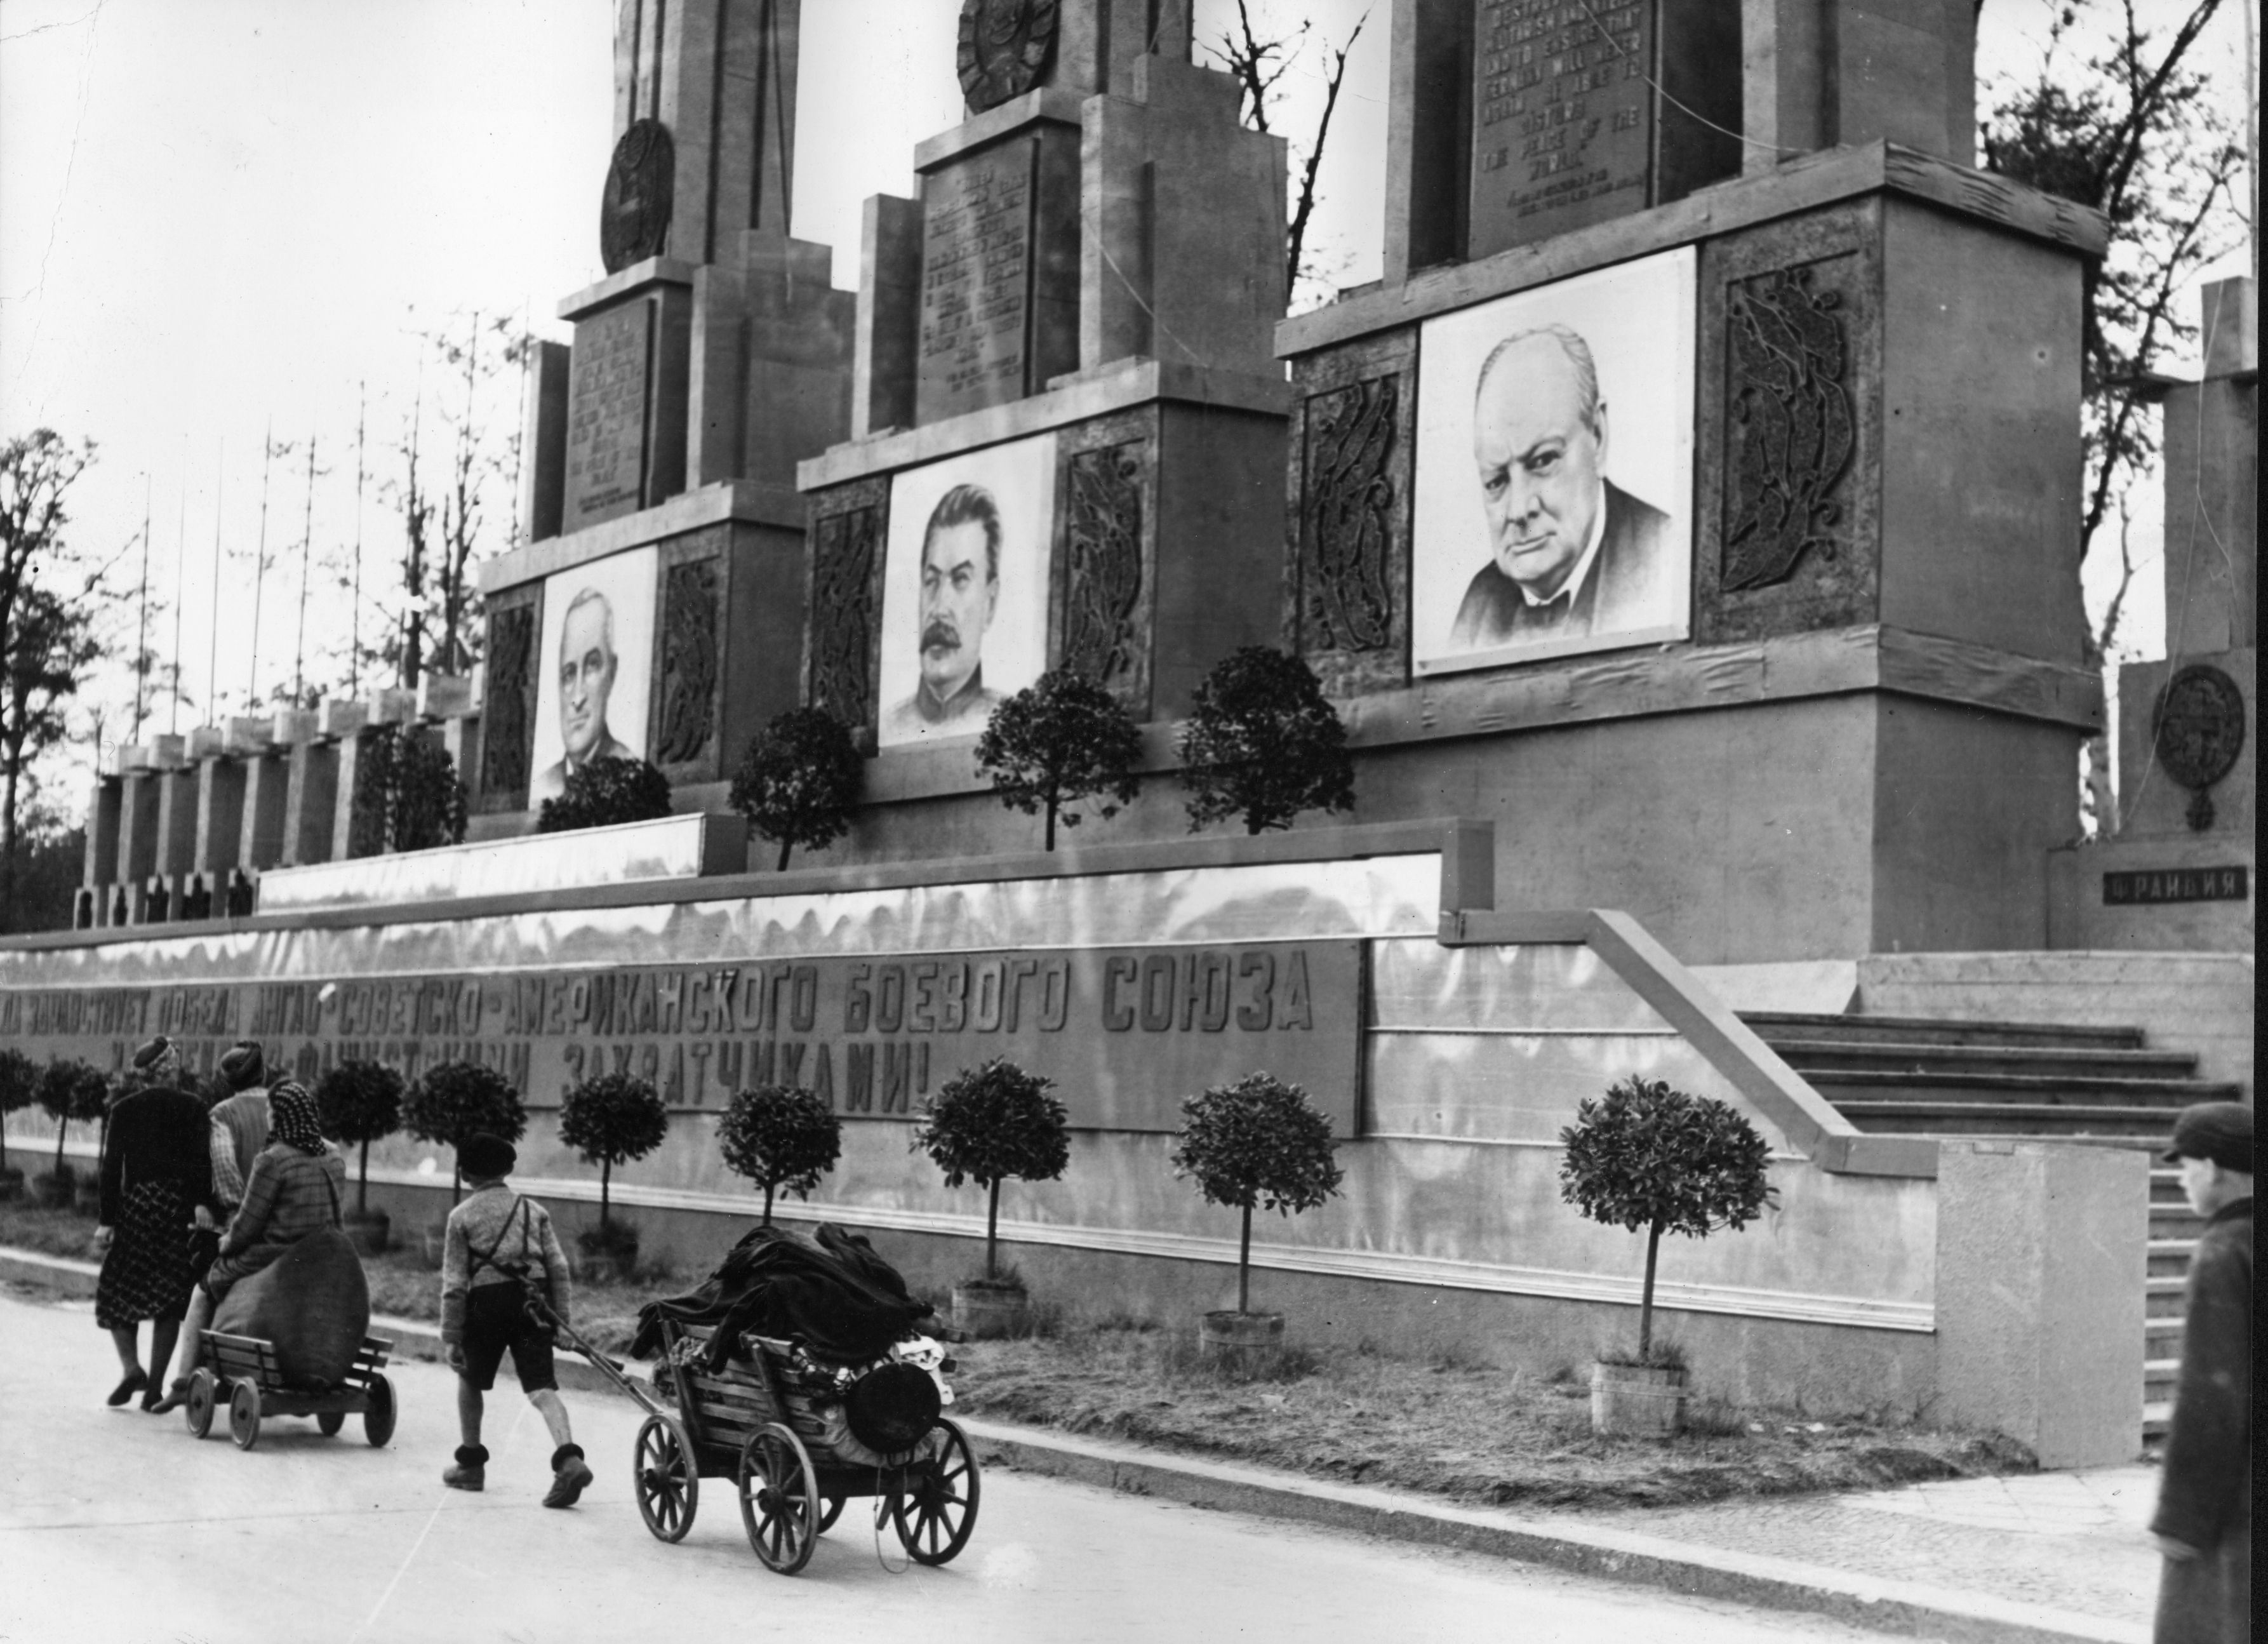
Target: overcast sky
(215,215)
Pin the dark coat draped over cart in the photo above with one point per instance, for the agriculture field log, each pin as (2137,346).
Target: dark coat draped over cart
(831,1292)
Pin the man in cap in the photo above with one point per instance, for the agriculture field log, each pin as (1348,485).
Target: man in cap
(2204,1522)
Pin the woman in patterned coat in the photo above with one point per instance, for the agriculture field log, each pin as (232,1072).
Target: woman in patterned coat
(295,1189)
(157,1168)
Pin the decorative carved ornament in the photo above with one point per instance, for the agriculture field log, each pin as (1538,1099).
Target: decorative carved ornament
(641,184)
(687,720)
(1005,47)
(2198,731)
(1347,584)
(509,713)
(1102,548)
(842,615)
(1791,434)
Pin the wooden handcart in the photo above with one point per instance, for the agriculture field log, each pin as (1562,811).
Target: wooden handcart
(243,1371)
(739,1423)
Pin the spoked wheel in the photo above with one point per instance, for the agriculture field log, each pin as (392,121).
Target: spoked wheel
(936,1509)
(830,1508)
(379,1411)
(244,1415)
(327,1422)
(665,1479)
(197,1407)
(780,1499)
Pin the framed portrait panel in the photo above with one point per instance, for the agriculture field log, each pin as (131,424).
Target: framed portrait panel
(594,668)
(1553,490)
(965,589)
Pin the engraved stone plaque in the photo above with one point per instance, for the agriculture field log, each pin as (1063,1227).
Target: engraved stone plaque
(607,400)
(976,296)
(1562,117)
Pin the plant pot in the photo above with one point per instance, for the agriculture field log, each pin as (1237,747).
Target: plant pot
(984,1308)
(1638,1400)
(436,1242)
(11,1185)
(56,1192)
(1237,1340)
(368,1231)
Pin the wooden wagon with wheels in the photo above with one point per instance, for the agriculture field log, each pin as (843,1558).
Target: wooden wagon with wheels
(243,1372)
(740,1422)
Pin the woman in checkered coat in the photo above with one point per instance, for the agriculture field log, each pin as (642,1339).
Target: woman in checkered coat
(294,1189)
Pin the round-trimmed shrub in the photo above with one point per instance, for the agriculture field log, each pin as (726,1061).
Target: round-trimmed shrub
(992,1122)
(780,1136)
(1257,1142)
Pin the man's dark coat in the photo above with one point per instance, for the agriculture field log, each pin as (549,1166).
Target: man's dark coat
(2204,1499)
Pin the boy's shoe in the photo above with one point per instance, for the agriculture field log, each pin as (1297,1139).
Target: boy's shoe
(470,1470)
(570,1476)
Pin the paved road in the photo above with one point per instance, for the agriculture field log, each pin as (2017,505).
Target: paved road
(115,1525)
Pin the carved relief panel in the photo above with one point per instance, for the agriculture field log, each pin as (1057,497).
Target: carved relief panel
(688,674)
(1347,573)
(1102,593)
(1788,475)
(508,712)
(842,641)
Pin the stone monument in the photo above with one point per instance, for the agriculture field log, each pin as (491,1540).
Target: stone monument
(1064,341)
(1695,493)
(2177,868)
(662,443)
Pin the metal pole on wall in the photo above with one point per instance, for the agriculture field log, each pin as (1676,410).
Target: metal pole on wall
(306,553)
(142,633)
(212,627)
(181,564)
(354,605)
(260,570)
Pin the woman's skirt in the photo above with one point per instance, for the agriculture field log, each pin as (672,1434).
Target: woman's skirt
(145,1273)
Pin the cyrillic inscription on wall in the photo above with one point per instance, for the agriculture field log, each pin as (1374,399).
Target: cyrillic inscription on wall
(1125,1033)
(977,281)
(1563,116)
(606,414)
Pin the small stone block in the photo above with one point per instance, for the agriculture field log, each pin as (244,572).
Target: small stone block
(168,752)
(249,735)
(207,741)
(345,718)
(135,756)
(444,695)
(390,707)
(294,726)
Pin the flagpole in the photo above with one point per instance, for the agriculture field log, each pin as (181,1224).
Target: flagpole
(260,570)
(142,635)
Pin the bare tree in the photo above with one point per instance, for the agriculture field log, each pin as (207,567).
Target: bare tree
(1259,63)
(51,645)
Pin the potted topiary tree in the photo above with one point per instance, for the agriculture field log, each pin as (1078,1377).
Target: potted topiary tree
(1655,1160)
(1257,1142)
(1263,743)
(780,1136)
(69,1090)
(604,792)
(1057,742)
(799,783)
(609,1120)
(987,1124)
(450,1102)
(360,1103)
(19,1087)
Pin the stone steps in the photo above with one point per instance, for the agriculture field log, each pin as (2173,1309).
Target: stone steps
(2023,1081)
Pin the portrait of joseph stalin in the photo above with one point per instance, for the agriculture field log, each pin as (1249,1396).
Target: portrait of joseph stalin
(960,592)
(587,666)
(1571,554)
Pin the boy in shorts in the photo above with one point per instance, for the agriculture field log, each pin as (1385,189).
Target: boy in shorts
(496,1242)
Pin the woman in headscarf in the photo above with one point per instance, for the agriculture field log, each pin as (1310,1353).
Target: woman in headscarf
(157,1170)
(295,1189)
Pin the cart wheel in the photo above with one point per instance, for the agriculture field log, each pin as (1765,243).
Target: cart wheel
(937,1507)
(327,1422)
(830,1508)
(378,1412)
(665,1479)
(780,1499)
(197,1408)
(244,1415)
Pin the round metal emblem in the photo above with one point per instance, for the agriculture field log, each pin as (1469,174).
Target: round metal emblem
(2198,733)
(1005,45)
(641,180)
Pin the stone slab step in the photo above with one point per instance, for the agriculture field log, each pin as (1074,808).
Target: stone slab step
(2044,1060)
(2076,1122)
(2169,1258)
(2161,1298)
(2157,1376)
(2169,1095)
(1937,1031)
(2157,1419)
